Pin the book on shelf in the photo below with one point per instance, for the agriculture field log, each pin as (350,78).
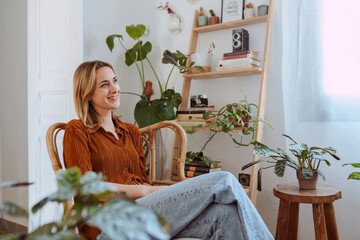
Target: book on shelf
(191,174)
(191,123)
(237,63)
(201,169)
(241,56)
(209,108)
(253,53)
(203,164)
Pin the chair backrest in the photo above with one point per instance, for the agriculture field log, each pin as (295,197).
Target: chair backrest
(148,134)
(51,145)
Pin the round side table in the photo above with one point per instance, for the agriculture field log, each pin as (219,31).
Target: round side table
(321,198)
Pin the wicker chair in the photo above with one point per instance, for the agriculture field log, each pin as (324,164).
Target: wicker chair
(148,133)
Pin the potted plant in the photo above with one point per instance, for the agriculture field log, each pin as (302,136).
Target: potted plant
(306,164)
(150,111)
(238,120)
(117,215)
(249,11)
(203,59)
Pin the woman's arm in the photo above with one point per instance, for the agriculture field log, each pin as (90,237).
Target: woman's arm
(138,191)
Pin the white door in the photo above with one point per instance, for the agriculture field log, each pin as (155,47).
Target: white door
(54,52)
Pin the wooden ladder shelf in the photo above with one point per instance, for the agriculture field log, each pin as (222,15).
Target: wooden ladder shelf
(269,18)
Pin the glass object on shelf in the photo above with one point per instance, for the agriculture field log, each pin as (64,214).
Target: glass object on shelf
(174,23)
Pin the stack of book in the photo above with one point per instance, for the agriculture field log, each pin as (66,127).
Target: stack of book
(193,116)
(197,168)
(241,59)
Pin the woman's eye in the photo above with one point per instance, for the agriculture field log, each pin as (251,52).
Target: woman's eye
(104,85)
(115,80)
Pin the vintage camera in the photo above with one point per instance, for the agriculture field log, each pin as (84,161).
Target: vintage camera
(240,40)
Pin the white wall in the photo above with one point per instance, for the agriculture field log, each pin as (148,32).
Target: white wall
(113,18)
(13,92)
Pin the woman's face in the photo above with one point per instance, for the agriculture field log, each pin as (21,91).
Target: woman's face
(106,95)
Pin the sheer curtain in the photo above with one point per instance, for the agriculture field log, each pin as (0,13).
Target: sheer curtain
(321,75)
(322,59)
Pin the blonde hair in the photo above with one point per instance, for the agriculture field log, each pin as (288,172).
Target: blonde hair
(84,85)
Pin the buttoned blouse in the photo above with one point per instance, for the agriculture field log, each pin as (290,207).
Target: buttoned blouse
(94,149)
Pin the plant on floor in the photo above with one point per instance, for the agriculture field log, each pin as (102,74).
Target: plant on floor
(149,111)
(308,159)
(118,216)
(238,120)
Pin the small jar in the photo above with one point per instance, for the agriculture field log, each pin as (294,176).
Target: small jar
(194,101)
(203,100)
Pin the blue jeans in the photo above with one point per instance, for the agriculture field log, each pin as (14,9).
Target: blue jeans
(211,206)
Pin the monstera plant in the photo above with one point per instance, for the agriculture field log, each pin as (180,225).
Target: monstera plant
(98,203)
(149,111)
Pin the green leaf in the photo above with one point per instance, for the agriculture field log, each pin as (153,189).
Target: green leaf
(168,104)
(307,173)
(169,58)
(280,168)
(145,113)
(252,163)
(14,184)
(199,68)
(321,174)
(98,187)
(355,165)
(110,40)
(11,237)
(124,220)
(130,54)
(136,32)
(193,129)
(289,138)
(143,51)
(69,178)
(13,209)
(354,175)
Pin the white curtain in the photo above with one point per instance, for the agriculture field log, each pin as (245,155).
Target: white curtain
(322,59)
(321,76)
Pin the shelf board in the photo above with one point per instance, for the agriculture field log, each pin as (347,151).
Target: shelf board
(206,127)
(233,24)
(225,73)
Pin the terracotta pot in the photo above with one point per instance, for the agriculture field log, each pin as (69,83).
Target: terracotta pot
(308,184)
(213,20)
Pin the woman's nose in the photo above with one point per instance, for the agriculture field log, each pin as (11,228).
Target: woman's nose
(114,87)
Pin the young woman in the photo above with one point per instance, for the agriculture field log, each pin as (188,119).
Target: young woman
(211,206)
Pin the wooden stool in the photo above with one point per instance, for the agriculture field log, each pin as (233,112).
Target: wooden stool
(323,210)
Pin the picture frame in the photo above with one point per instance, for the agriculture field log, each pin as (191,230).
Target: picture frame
(231,10)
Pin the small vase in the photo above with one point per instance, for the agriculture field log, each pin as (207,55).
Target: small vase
(308,184)
(249,13)
(213,20)
(202,21)
(175,24)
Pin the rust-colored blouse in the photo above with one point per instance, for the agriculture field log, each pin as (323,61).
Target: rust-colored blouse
(94,149)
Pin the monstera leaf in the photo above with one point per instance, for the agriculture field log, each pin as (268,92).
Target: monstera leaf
(137,53)
(135,32)
(168,104)
(150,112)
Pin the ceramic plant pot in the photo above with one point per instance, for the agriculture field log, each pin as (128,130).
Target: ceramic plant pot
(308,184)
(201,59)
(213,20)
